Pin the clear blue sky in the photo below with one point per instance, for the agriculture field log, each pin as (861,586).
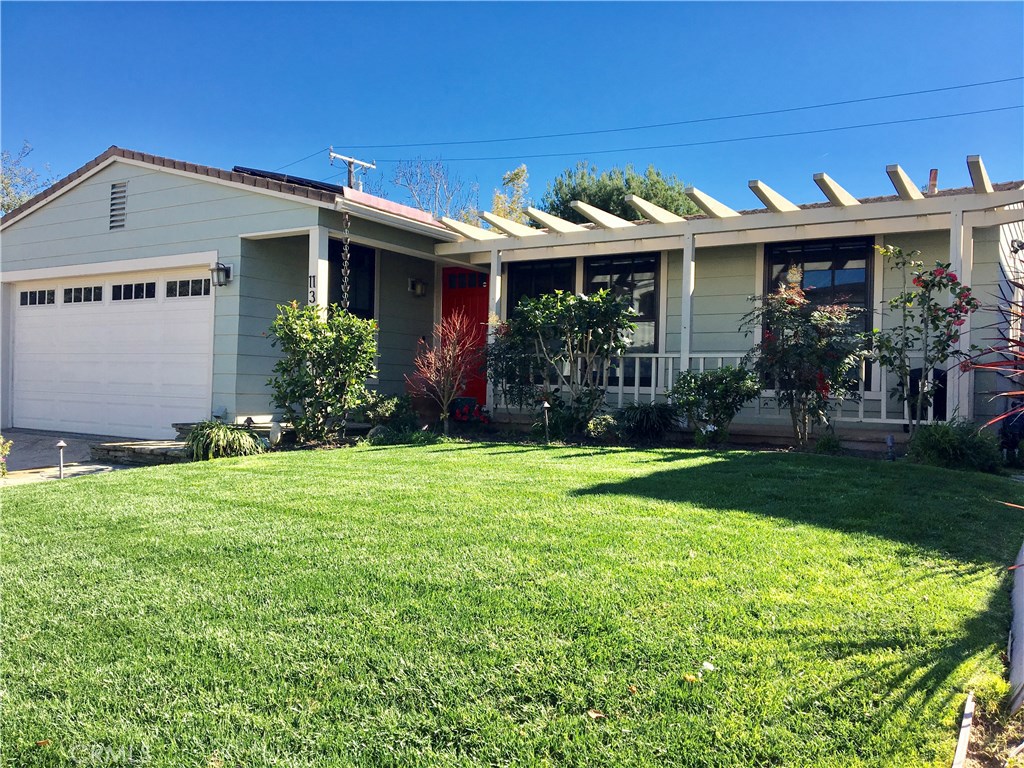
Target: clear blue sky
(264,84)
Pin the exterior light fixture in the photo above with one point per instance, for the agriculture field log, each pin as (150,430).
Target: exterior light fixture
(61,445)
(546,406)
(220,273)
(417,287)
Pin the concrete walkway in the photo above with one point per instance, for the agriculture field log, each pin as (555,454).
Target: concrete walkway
(34,456)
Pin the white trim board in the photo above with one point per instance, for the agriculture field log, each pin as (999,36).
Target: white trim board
(200,258)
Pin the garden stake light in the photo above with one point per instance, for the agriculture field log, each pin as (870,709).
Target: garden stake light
(547,435)
(61,445)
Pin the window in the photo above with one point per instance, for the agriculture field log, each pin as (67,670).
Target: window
(83,295)
(132,291)
(177,289)
(118,204)
(35,298)
(635,276)
(361,280)
(530,279)
(829,271)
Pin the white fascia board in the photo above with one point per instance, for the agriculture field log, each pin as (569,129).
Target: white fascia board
(201,258)
(886,210)
(393,220)
(455,261)
(105,164)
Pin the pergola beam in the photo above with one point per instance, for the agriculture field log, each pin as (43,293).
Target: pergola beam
(603,219)
(652,212)
(470,231)
(772,200)
(834,192)
(509,227)
(979,176)
(553,223)
(709,205)
(905,188)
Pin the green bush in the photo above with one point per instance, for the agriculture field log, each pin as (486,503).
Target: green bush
(214,440)
(604,428)
(955,445)
(325,363)
(711,399)
(829,444)
(647,422)
(386,436)
(391,411)
(5,449)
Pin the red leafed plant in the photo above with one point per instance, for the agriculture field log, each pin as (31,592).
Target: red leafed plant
(1009,344)
(444,368)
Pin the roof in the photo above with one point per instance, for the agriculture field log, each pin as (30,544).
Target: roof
(316,192)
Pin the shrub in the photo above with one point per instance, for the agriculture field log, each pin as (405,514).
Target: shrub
(385,436)
(214,440)
(805,355)
(711,399)
(829,444)
(604,428)
(647,422)
(566,342)
(325,364)
(444,368)
(955,445)
(392,411)
(5,449)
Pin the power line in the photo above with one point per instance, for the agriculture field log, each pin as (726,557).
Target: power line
(689,122)
(307,157)
(581,153)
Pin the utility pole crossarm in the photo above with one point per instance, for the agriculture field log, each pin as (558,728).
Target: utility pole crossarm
(351,162)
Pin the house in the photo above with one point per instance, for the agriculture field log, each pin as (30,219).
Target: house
(137,291)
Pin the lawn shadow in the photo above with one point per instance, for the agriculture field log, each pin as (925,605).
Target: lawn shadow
(957,514)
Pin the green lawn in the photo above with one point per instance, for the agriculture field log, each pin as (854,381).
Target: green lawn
(469,604)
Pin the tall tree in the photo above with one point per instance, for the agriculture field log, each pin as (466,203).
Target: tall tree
(509,201)
(608,191)
(18,182)
(433,187)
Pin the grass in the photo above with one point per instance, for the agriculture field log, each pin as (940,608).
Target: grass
(461,605)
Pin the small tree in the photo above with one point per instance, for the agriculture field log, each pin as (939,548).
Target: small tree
(930,314)
(324,367)
(509,201)
(444,368)
(567,340)
(805,354)
(18,181)
(711,399)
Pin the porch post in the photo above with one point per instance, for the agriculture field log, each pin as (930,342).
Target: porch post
(317,285)
(494,311)
(961,258)
(686,313)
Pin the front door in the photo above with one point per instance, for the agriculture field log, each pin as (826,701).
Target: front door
(466,290)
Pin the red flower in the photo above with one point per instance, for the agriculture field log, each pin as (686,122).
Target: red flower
(952,276)
(939,272)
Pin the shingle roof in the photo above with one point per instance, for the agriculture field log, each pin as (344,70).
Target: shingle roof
(316,191)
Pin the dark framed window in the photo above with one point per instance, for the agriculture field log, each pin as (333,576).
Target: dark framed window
(133,291)
(36,298)
(361,279)
(530,279)
(829,271)
(177,289)
(89,293)
(636,276)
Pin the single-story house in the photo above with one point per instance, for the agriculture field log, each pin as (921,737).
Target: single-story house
(137,292)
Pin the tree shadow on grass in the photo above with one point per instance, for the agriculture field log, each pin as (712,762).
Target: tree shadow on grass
(939,515)
(951,513)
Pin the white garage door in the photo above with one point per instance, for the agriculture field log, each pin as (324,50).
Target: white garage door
(125,354)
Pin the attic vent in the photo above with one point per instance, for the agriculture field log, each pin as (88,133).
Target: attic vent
(118,204)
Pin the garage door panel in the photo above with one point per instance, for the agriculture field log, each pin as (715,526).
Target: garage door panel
(127,368)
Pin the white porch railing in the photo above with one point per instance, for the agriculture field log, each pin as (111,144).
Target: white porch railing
(648,376)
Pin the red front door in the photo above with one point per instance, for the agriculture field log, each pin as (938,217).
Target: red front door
(466,290)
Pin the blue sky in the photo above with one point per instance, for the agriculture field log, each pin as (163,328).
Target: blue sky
(264,84)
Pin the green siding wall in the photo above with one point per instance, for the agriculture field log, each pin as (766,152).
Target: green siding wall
(723,281)
(403,318)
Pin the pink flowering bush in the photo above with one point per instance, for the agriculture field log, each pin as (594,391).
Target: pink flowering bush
(932,308)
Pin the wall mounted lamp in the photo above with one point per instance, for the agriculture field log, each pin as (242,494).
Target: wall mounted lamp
(220,273)
(417,287)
